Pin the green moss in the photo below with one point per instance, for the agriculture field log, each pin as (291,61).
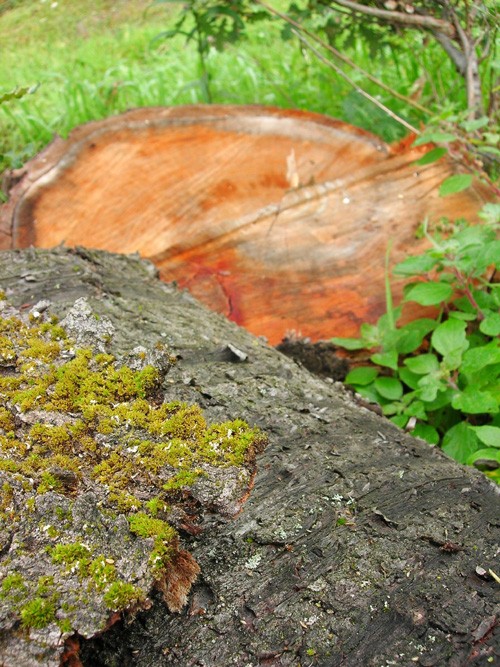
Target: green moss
(65,625)
(13,581)
(164,536)
(69,554)
(38,613)
(102,427)
(121,595)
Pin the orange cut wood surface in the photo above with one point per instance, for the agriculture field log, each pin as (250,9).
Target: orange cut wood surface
(279,220)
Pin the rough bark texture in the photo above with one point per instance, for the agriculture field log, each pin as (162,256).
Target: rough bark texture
(359,544)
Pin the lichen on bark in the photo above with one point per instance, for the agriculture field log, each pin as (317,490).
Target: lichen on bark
(97,471)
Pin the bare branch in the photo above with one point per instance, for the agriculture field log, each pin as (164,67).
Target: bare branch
(417,20)
(359,90)
(342,57)
(456,56)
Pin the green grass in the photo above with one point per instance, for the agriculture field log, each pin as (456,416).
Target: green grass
(95,58)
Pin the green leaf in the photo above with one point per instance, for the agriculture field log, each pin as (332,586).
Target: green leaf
(490,326)
(489,435)
(349,343)
(412,334)
(454,184)
(429,386)
(475,124)
(487,454)
(429,294)
(426,432)
(399,420)
(363,375)
(389,359)
(449,337)
(389,387)
(409,378)
(415,265)
(475,402)
(460,442)
(478,358)
(435,137)
(432,156)
(423,364)
(490,213)
(417,409)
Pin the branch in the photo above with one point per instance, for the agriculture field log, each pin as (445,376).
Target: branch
(456,56)
(359,90)
(420,21)
(288,19)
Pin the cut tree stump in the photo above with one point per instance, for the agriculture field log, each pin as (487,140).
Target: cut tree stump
(359,546)
(278,219)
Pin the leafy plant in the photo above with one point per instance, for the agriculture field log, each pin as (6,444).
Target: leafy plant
(439,377)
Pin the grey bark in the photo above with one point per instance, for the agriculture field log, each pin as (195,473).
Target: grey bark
(359,545)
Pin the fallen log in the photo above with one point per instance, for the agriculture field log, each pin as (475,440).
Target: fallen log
(359,545)
(278,219)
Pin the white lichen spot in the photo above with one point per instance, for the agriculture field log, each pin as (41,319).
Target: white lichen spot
(253,562)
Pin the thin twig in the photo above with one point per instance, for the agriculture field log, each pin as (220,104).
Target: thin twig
(288,19)
(359,90)
(421,21)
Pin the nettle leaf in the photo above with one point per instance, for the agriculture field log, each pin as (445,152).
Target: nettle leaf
(454,184)
(449,337)
(429,294)
(429,386)
(363,375)
(349,343)
(370,334)
(490,213)
(443,398)
(489,435)
(417,409)
(483,455)
(475,402)
(389,387)
(412,334)
(423,364)
(477,358)
(426,432)
(460,442)
(432,156)
(490,326)
(475,124)
(434,137)
(399,420)
(409,378)
(415,265)
(389,359)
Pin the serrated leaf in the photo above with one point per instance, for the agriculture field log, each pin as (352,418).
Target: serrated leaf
(363,375)
(415,265)
(423,364)
(475,402)
(426,432)
(489,435)
(474,124)
(399,420)
(454,184)
(490,326)
(434,137)
(490,212)
(429,294)
(450,336)
(349,343)
(478,358)
(389,387)
(409,378)
(460,442)
(432,156)
(389,359)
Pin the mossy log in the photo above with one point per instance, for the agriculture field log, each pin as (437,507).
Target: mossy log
(278,219)
(359,545)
